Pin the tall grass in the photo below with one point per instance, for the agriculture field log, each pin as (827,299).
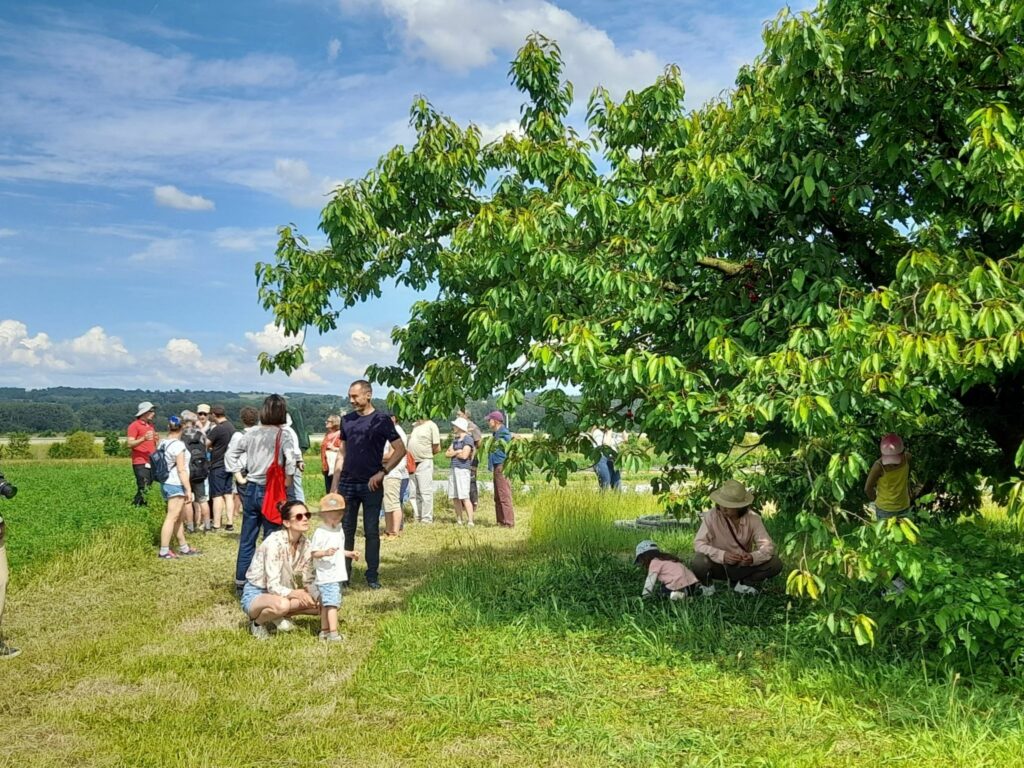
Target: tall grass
(571,520)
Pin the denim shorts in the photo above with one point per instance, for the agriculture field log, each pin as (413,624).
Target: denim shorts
(249,593)
(170,491)
(330,594)
(881,514)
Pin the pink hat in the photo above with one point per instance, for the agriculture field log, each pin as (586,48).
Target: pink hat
(497,416)
(891,447)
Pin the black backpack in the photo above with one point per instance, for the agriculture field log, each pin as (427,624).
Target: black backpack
(198,464)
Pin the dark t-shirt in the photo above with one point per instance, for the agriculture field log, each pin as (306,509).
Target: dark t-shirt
(364,438)
(458,445)
(219,437)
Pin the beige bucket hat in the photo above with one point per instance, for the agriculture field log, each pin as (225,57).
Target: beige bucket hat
(732,495)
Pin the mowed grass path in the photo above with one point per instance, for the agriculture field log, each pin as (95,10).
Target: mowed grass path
(485,648)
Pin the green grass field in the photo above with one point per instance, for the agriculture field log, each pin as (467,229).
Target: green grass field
(487,647)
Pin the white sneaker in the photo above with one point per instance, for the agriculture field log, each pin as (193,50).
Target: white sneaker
(707,590)
(332,637)
(284,625)
(458,522)
(470,524)
(677,595)
(744,589)
(258,631)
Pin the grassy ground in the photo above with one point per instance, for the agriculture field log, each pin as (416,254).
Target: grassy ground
(486,647)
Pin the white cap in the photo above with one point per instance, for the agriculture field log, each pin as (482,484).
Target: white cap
(644,547)
(461,423)
(144,407)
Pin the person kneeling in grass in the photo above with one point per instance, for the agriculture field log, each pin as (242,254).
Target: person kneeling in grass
(677,581)
(329,555)
(270,595)
(732,543)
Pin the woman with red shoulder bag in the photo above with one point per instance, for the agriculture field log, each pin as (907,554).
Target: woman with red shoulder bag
(270,464)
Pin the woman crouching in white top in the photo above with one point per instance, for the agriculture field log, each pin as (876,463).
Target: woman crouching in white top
(270,594)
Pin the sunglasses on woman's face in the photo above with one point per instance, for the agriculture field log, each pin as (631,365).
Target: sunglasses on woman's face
(301,516)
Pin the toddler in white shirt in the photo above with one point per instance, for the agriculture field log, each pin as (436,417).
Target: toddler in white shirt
(329,560)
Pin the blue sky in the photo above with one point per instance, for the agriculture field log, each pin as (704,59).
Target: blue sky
(148,151)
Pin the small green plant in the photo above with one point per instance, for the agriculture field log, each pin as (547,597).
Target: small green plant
(112,445)
(18,446)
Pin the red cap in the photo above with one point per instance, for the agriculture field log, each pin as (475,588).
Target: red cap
(891,447)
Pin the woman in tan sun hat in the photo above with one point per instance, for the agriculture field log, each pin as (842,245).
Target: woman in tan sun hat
(732,543)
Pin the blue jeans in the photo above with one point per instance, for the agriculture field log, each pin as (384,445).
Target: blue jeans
(607,474)
(359,495)
(252,522)
(296,492)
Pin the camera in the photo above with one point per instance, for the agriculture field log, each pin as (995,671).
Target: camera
(7,490)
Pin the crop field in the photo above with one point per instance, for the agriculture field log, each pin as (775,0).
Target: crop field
(487,647)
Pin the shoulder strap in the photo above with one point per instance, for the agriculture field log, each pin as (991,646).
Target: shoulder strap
(734,536)
(277,448)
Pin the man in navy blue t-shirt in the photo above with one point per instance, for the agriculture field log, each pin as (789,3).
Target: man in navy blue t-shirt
(360,472)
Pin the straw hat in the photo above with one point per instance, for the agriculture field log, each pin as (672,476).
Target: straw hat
(732,495)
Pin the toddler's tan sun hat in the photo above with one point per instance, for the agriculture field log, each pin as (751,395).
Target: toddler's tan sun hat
(332,502)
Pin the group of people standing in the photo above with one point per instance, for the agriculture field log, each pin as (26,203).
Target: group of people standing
(368,464)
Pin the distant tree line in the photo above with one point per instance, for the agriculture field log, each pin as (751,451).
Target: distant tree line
(70,409)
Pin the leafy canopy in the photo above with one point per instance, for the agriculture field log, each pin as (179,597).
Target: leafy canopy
(828,253)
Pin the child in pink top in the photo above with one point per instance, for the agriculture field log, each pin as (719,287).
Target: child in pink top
(677,581)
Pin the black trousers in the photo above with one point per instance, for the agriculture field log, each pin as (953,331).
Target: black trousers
(706,569)
(143,479)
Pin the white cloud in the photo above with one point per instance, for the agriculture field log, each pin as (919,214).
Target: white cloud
(291,179)
(271,339)
(96,347)
(182,352)
(333,49)
(37,360)
(238,239)
(17,348)
(462,35)
(161,252)
(376,341)
(305,375)
(490,132)
(170,196)
(4,232)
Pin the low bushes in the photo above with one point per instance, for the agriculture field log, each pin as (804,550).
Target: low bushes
(79,445)
(17,447)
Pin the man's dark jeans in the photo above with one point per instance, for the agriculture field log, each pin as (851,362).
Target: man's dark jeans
(359,495)
(252,522)
(143,479)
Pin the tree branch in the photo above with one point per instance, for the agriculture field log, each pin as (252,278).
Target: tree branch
(730,268)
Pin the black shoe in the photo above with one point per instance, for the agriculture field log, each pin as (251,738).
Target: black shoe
(373,584)
(229,527)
